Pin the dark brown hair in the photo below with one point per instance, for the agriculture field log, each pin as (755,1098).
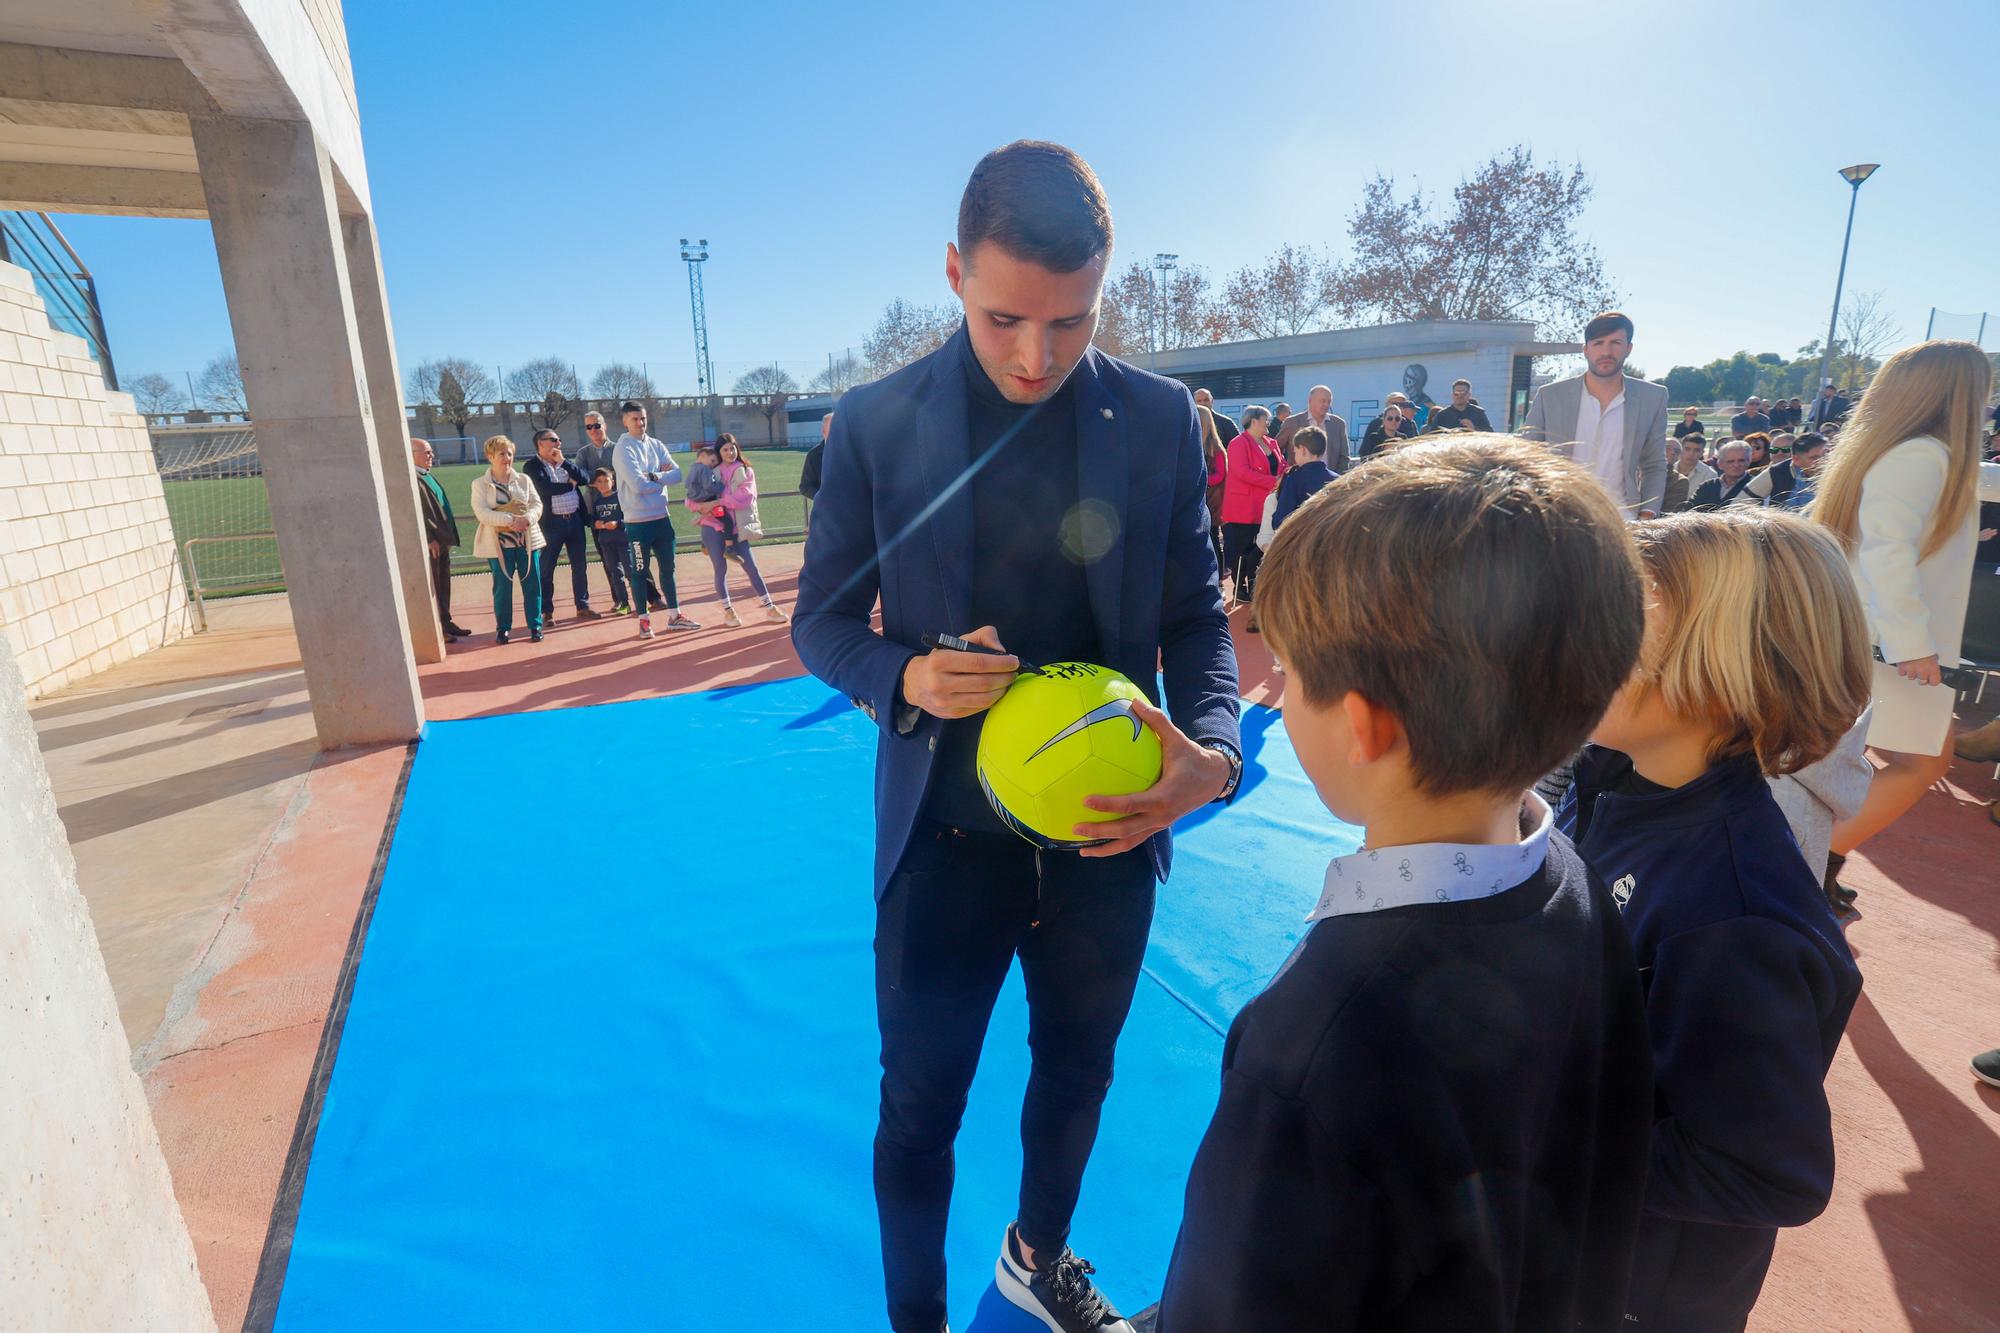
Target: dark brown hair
(1608,322)
(1502,611)
(1039,202)
(1314,440)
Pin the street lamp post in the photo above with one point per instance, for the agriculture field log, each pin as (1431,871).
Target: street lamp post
(1162,265)
(695,254)
(1853,176)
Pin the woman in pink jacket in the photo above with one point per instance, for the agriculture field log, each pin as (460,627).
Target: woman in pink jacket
(722,521)
(1254,469)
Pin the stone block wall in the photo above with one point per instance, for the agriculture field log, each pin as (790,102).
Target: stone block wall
(89,575)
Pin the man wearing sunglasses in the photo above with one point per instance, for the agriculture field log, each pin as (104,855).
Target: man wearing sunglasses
(600,451)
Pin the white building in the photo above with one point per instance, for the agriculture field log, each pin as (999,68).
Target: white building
(1363,366)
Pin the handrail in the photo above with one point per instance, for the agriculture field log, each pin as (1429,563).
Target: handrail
(192,575)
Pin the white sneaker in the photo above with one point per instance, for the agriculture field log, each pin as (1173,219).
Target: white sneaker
(645,627)
(775,613)
(731,619)
(1059,1294)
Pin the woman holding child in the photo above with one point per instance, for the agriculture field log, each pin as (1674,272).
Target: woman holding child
(722,492)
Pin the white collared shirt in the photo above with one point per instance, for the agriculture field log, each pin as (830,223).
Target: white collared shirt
(1600,443)
(1435,872)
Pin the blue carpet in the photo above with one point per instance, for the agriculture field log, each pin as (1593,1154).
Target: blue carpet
(610,1060)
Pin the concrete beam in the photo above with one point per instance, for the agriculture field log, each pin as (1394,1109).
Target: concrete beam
(58,188)
(265,59)
(284,270)
(96,78)
(392,434)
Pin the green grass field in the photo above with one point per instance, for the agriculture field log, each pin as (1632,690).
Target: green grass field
(237,506)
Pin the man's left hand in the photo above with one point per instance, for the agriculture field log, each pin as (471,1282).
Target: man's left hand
(1191,776)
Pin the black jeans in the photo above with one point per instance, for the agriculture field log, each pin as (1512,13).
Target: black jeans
(565,534)
(954,915)
(1241,555)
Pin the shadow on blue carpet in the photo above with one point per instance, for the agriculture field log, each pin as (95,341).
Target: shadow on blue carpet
(610,1060)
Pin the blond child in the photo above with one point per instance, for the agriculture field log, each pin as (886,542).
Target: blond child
(1755,664)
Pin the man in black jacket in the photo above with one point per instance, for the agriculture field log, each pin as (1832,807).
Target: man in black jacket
(440,535)
(565,521)
(1225,425)
(1460,413)
(815,460)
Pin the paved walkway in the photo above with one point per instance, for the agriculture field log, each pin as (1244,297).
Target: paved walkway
(224,862)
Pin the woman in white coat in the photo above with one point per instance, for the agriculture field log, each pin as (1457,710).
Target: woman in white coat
(1902,493)
(510,537)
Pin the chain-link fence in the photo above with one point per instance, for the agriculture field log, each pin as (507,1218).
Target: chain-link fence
(221,512)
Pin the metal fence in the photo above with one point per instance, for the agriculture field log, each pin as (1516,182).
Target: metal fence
(221,512)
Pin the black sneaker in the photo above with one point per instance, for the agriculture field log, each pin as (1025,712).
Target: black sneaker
(1987,1067)
(1838,896)
(1059,1294)
(500,637)
(535,635)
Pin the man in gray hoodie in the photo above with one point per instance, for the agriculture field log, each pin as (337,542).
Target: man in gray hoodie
(645,468)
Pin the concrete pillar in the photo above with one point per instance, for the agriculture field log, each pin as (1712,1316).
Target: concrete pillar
(392,433)
(272,205)
(91,1235)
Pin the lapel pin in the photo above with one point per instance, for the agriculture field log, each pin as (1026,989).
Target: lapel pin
(1106,411)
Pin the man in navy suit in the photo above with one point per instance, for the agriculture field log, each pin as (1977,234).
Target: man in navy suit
(1020,482)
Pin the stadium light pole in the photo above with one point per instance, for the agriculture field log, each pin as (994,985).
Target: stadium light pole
(1853,175)
(695,254)
(1162,265)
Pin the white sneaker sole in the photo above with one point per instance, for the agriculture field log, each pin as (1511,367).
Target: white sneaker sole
(1015,1292)
(1986,1078)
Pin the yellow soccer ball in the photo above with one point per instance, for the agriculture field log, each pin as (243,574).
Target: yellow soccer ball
(1058,737)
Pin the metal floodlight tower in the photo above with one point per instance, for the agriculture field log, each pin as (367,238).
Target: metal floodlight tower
(695,254)
(1853,176)
(1162,264)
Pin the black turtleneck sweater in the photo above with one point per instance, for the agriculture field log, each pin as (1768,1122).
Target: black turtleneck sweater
(1025,581)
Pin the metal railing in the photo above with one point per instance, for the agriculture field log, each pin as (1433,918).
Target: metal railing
(68,292)
(462,561)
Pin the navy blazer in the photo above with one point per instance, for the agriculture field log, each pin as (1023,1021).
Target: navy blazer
(894,518)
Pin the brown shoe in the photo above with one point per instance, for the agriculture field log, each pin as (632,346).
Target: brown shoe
(1981,745)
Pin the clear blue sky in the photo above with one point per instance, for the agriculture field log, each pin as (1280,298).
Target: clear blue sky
(533,165)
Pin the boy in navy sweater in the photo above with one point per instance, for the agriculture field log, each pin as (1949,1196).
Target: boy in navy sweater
(1436,1116)
(1756,663)
(1309,472)
(614,549)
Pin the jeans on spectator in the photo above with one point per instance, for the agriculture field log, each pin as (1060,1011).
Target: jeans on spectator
(950,923)
(723,548)
(565,534)
(654,538)
(1240,556)
(615,552)
(516,563)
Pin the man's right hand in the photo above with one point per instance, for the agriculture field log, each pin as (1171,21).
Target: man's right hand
(948,684)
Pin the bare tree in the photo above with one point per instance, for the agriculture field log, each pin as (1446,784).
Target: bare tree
(842,373)
(906,332)
(1508,248)
(220,385)
(621,381)
(453,403)
(154,392)
(771,384)
(765,380)
(1291,292)
(1125,323)
(1866,332)
(550,384)
(425,383)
